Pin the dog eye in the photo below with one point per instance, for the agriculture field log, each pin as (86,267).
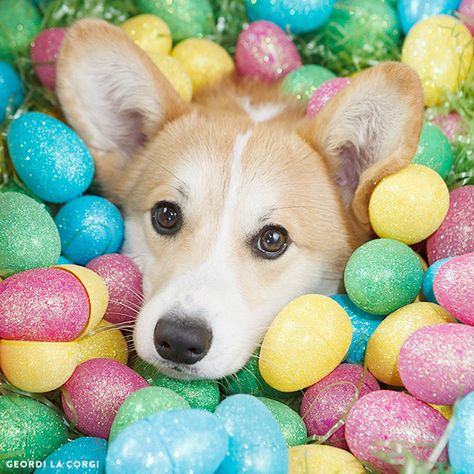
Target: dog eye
(271,242)
(166,218)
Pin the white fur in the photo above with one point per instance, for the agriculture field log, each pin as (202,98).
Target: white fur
(263,112)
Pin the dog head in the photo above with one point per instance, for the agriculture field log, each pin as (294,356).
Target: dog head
(236,203)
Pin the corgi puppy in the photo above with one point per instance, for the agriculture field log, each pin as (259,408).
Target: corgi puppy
(236,203)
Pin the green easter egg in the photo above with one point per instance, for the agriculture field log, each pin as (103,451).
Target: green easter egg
(434,150)
(203,394)
(146,370)
(28,235)
(29,431)
(12,187)
(302,82)
(20,22)
(186,18)
(383,275)
(291,424)
(143,403)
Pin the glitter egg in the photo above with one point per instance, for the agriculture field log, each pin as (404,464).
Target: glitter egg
(461,439)
(11,90)
(409,205)
(143,403)
(324,332)
(264,51)
(324,93)
(89,226)
(383,275)
(28,236)
(428,279)
(327,402)
(385,419)
(50,158)
(302,82)
(38,366)
(436,363)
(255,438)
(456,234)
(454,287)
(44,53)
(450,124)
(385,343)
(439,36)
(318,459)
(43,304)
(124,283)
(466,13)
(95,392)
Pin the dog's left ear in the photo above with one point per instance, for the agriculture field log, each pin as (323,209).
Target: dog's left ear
(369,130)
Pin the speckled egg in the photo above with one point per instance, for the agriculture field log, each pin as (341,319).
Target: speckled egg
(11,90)
(324,93)
(428,279)
(461,440)
(304,81)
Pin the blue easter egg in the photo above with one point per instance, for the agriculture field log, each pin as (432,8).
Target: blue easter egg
(461,440)
(85,455)
(63,261)
(89,226)
(11,89)
(363,325)
(412,11)
(428,279)
(300,16)
(50,158)
(256,443)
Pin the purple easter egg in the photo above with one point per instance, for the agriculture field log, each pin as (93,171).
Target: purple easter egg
(383,420)
(324,93)
(450,124)
(43,304)
(328,400)
(466,13)
(264,51)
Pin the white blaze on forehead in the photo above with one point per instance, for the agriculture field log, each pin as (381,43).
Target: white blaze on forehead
(262,112)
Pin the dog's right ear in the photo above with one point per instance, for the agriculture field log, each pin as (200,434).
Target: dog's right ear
(112,94)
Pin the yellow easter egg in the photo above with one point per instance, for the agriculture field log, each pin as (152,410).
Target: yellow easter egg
(445,410)
(38,366)
(440,50)
(385,343)
(104,342)
(176,74)
(206,62)
(149,32)
(307,340)
(409,205)
(319,459)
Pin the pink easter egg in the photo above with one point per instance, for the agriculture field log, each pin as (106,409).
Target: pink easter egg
(455,236)
(466,13)
(45,49)
(95,392)
(436,363)
(328,400)
(264,51)
(382,420)
(450,124)
(43,304)
(124,282)
(324,93)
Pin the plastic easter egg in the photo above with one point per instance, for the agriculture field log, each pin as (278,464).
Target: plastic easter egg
(382,276)
(206,62)
(29,430)
(43,304)
(95,392)
(28,236)
(38,366)
(326,403)
(202,394)
(50,158)
(255,439)
(149,32)
(265,52)
(302,82)
(44,53)
(324,93)
(89,226)
(185,18)
(11,90)
(299,16)
(461,440)
(143,403)
(385,343)
(437,37)
(428,279)
(85,454)
(363,325)
(324,331)
(466,13)
(434,150)
(456,234)
(318,459)
(409,205)
(385,418)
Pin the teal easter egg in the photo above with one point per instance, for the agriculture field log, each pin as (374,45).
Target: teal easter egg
(11,90)
(461,439)
(302,82)
(428,279)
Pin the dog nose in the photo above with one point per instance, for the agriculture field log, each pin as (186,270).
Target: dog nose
(182,342)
